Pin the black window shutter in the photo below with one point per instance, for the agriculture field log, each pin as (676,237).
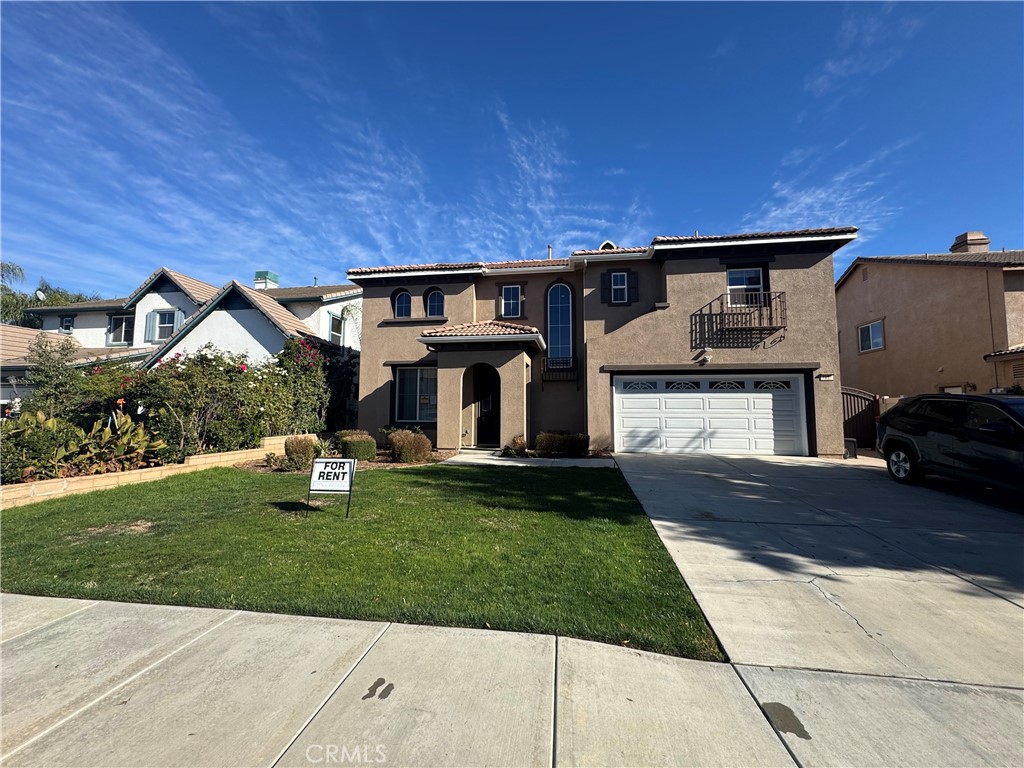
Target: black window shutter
(633,283)
(606,287)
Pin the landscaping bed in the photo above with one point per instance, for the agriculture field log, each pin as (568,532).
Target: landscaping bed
(561,551)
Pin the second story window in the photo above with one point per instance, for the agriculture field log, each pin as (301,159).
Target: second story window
(619,288)
(511,301)
(337,333)
(746,287)
(67,324)
(435,304)
(121,330)
(872,336)
(559,321)
(403,304)
(162,323)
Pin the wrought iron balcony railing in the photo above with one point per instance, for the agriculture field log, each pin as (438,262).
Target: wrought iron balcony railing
(750,311)
(560,369)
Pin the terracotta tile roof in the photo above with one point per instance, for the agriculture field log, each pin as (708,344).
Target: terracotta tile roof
(416,268)
(96,305)
(484,328)
(755,235)
(609,251)
(15,340)
(311,292)
(1015,350)
(981,259)
(525,263)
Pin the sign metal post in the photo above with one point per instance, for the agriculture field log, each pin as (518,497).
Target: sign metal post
(331,475)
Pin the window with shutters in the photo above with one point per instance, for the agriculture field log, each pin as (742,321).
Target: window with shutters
(162,323)
(620,287)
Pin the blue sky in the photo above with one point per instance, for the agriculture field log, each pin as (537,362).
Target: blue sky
(218,139)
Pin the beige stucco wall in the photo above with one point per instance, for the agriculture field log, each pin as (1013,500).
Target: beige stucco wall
(938,321)
(642,335)
(456,417)
(1013,298)
(384,340)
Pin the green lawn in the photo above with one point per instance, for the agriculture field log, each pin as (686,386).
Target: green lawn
(563,551)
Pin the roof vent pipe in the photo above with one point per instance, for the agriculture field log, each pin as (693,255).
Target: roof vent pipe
(549,252)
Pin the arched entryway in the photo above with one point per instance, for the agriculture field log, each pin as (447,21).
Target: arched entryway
(481,386)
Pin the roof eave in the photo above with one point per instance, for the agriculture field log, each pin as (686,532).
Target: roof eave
(490,338)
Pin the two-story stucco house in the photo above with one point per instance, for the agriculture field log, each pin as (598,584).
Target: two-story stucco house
(718,344)
(171,312)
(933,322)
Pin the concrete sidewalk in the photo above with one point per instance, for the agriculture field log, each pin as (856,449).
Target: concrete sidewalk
(111,684)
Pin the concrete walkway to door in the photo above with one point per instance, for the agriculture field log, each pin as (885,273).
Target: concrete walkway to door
(872,616)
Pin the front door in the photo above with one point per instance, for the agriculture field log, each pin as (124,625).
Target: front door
(487,388)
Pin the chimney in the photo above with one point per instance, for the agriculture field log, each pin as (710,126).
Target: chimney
(265,279)
(970,242)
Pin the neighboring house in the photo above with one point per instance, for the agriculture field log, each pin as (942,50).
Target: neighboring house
(718,344)
(15,346)
(171,312)
(933,322)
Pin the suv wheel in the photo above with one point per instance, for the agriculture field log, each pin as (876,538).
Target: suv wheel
(902,465)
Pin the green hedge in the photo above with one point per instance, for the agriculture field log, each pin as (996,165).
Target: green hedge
(355,444)
(563,444)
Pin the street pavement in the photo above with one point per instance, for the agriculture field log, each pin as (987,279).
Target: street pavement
(866,624)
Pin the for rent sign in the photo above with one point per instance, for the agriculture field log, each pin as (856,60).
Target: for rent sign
(332,476)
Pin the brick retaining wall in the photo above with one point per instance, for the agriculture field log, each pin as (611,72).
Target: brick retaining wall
(29,493)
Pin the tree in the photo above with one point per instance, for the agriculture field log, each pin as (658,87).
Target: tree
(14,303)
(56,382)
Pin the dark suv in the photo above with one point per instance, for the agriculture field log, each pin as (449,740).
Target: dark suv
(980,437)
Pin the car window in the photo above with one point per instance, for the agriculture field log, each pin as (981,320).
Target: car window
(980,414)
(940,411)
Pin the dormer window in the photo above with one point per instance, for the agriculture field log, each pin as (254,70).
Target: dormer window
(403,304)
(162,323)
(435,304)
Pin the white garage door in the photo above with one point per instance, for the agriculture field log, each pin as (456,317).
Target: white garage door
(759,414)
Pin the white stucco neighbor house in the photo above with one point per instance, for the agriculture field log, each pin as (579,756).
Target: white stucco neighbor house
(171,312)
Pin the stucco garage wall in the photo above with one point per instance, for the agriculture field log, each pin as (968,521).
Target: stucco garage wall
(663,337)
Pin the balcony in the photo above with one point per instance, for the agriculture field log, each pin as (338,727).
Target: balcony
(560,369)
(738,320)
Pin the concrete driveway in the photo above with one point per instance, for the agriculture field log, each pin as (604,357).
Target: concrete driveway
(847,601)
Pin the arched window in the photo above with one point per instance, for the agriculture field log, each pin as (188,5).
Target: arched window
(403,304)
(435,304)
(559,321)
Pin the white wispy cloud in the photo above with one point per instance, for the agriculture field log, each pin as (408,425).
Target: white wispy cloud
(870,39)
(117,159)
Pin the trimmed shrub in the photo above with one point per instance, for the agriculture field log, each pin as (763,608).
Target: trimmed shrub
(355,444)
(300,452)
(562,444)
(516,447)
(407,447)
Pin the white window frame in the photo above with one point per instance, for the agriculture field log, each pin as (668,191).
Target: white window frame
(743,290)
(163,331)
(419,395)
(331,317)
(426,306)
(399,296)
(620,293)
(125,319)
(872,347)
(568,290)
(70,324)
(517,301)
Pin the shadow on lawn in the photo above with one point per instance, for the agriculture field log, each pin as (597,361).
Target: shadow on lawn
(294,508)
(579,493)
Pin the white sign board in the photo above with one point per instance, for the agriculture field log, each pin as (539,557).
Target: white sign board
(332,475)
